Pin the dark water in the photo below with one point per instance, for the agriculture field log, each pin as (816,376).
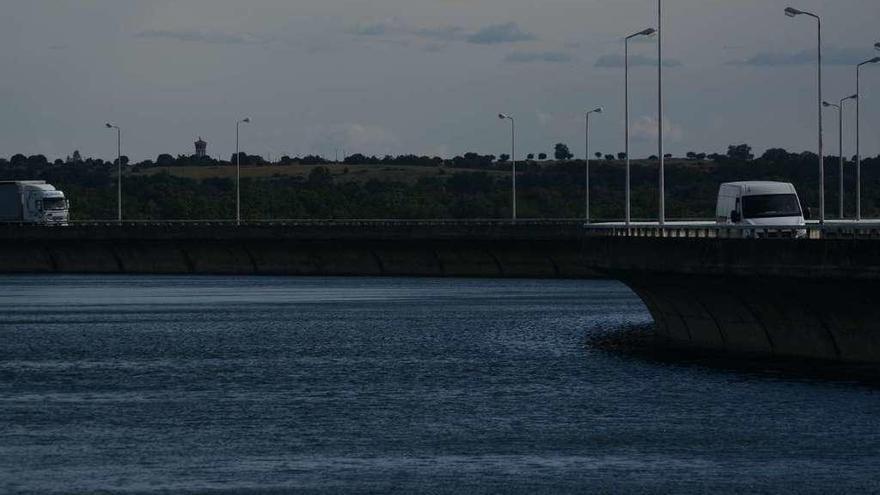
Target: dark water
(163,384)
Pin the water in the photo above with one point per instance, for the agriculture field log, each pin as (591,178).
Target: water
(188,384)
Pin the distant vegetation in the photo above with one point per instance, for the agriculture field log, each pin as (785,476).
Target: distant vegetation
(409,186)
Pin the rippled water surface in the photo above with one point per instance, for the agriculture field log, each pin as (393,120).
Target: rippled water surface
(187,384)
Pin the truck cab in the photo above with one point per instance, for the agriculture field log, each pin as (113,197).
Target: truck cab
(772,208)
(46,205)
(32,202)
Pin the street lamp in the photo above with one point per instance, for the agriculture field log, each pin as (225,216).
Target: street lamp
(792,12)
(839,108)
(246,120)
(512,154)
(859,134)
(587,147)
(646,32)
(118,169)
(660,112)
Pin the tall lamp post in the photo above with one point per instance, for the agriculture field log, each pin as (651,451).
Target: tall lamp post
(587,147)
(118,170)
(792,12)
(246,120)
(503,116)
(645,32)
(839,107)
(859,133)
(660,112)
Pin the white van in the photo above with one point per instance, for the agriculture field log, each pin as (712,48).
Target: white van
(764,205)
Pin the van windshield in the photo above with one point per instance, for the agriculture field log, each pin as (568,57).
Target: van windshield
(771,206)
(54,203)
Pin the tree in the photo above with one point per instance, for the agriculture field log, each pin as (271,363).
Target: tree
(530,156)
(165,160)
(37,161)
(76,158)
(503,158)
(667,156)
(621,156)
(599,155)
(741,152)
(691,155)
(542,156)
(609,157)
(775,155)
(562,152)
(18,160)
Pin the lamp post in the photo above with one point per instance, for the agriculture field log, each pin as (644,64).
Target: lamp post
(118,170)
(587,147)
(839,107)
(859,133)
(645,32)
(660,112)
(792,12)
(246,120)
(503,116)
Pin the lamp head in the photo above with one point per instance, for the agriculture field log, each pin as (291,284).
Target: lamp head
(648,32)
(877,46)
(853,97)
(597,110)
(246,120)
(503,116)
(875,59)
(826,104)
(109,125)
(791,12)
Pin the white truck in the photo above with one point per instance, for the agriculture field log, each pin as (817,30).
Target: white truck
(32,202)
(772,208)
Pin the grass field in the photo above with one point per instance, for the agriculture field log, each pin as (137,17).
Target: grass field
(361,173)
(341,173)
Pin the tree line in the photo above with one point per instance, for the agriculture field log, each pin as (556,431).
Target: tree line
(551,189)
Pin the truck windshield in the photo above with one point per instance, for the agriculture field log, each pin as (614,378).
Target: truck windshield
(54,203)
(771,206)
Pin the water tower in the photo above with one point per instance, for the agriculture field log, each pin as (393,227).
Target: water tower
(201,148)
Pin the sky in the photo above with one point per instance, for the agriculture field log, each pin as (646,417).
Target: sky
(424,76)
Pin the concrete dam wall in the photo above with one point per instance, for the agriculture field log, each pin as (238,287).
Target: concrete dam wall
(491,250)
(814,299)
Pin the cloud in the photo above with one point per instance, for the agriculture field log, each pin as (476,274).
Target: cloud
(500,33)
(445,33)
(645,129)
(614,61)
(353,137)
(435,39)
(381,28)
(200,35)
(394,27)
(527,57)
(488,35)
(830,56)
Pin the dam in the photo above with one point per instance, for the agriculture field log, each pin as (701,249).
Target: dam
(807,298)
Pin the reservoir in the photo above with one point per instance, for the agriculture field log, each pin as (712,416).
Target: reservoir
(187,384)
